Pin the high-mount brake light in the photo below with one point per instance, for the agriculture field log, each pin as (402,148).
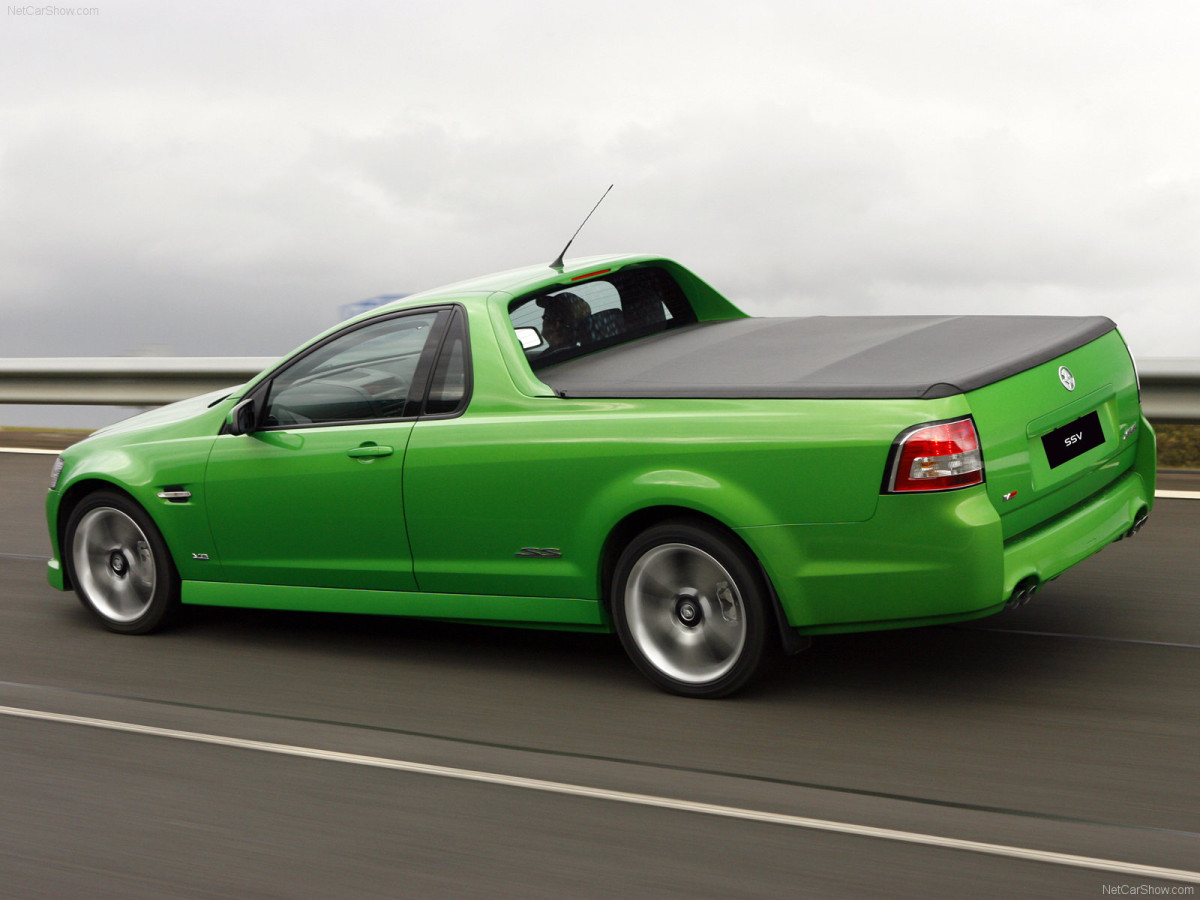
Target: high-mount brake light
(940,456)
(591,274)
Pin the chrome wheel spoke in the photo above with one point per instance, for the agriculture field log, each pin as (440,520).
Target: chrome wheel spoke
(720,642)
(125,531)
(124,598)
(657,586)
(98,535)
(691,650)
(659,620)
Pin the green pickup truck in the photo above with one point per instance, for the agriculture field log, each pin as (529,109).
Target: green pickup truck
(611,444)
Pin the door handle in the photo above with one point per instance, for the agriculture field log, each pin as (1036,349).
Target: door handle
(369,451)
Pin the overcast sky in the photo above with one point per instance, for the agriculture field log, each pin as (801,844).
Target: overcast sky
(217,178)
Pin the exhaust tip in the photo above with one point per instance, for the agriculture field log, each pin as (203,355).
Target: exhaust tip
(1022,593)
(1139,522)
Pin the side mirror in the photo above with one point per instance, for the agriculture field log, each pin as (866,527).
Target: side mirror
(530,338)
(241,418)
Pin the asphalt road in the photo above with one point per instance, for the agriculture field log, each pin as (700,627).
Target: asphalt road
(254,754)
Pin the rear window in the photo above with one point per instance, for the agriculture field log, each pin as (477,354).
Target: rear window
(570,321)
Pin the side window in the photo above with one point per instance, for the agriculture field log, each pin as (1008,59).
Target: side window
(448,387)
(578,319)
(362,375)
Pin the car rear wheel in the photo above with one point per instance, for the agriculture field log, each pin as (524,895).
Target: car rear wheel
(119,564)
(691,609)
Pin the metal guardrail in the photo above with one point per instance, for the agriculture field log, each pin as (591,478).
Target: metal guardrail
(1171,390)
(1170,387)
(122,380)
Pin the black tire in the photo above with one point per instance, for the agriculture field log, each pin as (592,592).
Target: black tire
(119,564)
(691,609)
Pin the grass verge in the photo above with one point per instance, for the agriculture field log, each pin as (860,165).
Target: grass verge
(1178,446)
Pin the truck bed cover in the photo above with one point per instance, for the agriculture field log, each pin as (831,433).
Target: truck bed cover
(825,357)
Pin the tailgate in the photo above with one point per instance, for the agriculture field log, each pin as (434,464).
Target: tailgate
(1055,434)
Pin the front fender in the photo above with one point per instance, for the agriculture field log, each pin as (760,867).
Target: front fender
(142,471)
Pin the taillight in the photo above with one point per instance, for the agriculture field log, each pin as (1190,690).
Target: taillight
(940,456)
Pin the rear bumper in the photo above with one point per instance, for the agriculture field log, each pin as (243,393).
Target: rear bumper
(1056,545)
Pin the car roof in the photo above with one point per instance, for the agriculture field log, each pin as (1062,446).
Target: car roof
(518,281)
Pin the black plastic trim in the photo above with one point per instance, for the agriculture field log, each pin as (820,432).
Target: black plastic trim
(458,317)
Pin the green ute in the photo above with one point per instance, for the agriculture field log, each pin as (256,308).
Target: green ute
(613,445)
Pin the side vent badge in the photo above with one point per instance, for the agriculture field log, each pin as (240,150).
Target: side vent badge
(538,553)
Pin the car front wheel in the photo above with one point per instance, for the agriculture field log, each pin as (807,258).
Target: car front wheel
(119,564)
(691,609)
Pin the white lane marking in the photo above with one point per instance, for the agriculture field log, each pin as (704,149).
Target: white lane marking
(577,790)
(1082,637)
(30,450)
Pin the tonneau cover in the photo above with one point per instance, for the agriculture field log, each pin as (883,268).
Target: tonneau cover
(825,357)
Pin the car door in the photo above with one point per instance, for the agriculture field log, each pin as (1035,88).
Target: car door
(313,495)
(493,494)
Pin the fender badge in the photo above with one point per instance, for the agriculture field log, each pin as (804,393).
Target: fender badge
(1067,379)
(199,556)
(538,553)
(1009,496)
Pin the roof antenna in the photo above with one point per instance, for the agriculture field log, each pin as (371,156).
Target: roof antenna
(558,263)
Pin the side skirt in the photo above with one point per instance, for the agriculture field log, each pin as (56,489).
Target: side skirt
(565,612)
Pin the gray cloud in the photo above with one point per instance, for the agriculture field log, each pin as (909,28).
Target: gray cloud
(219,179)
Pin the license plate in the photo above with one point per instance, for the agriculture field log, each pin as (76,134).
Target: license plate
(1064,444)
